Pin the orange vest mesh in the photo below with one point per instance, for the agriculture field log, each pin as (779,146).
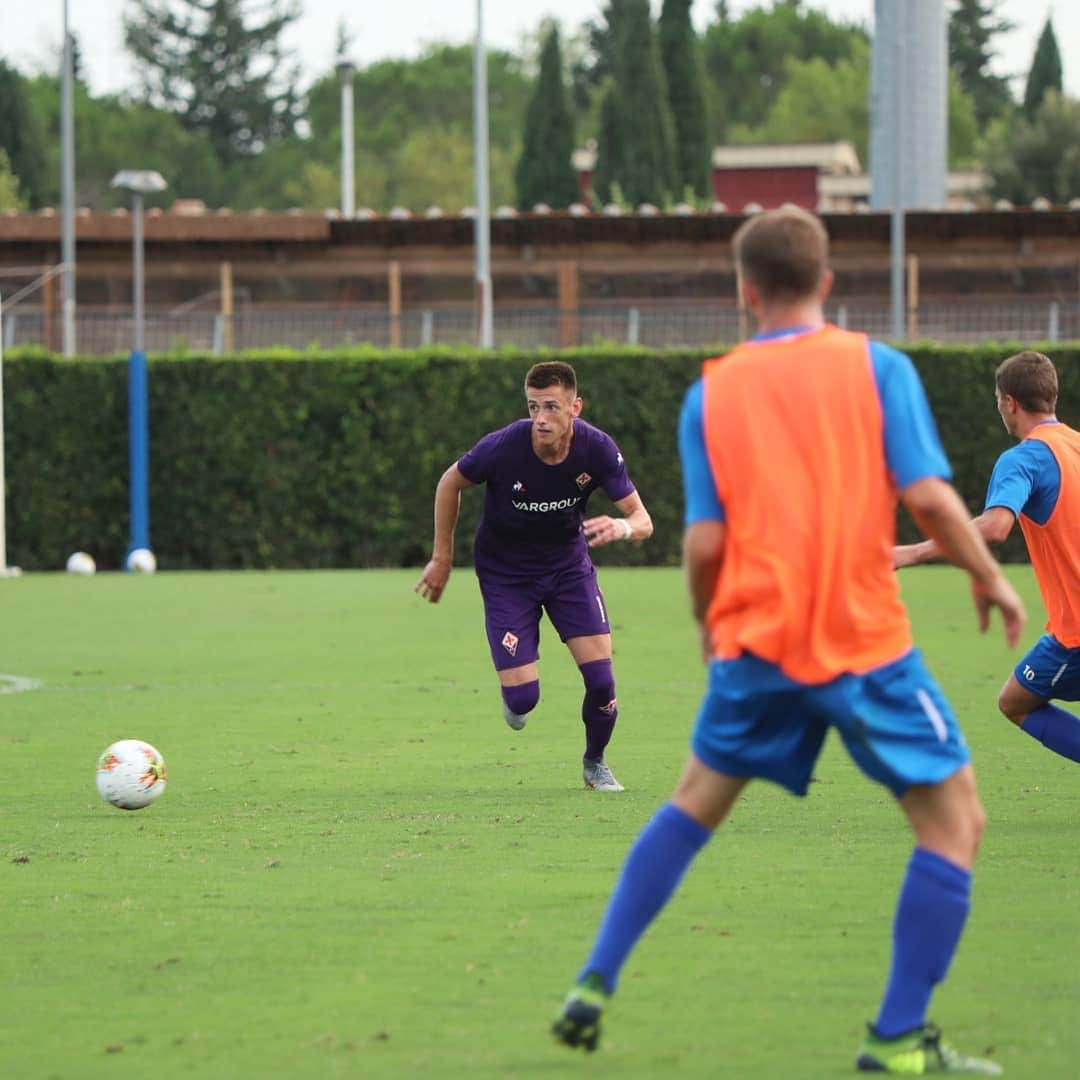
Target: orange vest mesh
(793,433)
(1055,546)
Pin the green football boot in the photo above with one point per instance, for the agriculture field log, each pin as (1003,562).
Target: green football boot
(920,1053)
(579,1022)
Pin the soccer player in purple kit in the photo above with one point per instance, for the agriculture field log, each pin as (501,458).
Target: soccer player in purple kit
(531,550)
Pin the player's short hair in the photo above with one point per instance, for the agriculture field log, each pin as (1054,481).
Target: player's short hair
(783,253)
(1031,378)
(551,373)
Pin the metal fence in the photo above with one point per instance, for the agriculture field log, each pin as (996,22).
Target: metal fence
(694,325)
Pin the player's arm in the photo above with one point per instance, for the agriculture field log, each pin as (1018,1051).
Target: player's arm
(447,508)
(635,523)
(943,518)
(702,557)
(994,525)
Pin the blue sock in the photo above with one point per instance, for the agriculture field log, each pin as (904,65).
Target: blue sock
(652,871)
(930,916)
(1056,729)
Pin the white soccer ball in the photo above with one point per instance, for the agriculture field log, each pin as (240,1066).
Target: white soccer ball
(81,563)
(130,774)
(141,561)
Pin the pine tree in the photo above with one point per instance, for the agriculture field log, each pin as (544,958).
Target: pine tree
(637,141)
(223,72)
(1045,73)
(544,171)
(22,137)
(973,26)
(686,94)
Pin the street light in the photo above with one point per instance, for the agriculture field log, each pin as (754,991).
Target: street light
(140,182)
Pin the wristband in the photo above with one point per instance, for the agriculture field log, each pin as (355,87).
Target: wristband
(628,527)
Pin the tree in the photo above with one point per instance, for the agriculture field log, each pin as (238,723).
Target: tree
(973,25)
(22,137)
(746,59)
(10,199)
(1045,73)
(1041,157)
(681,55)
(637,140)
(544,172)
(223,72)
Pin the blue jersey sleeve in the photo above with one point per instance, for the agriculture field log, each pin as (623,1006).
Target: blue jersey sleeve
(1026,479)
(913,450)
(699,489)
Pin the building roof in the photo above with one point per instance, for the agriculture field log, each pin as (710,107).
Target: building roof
(834,158)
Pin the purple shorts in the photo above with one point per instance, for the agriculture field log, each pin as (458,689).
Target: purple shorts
(513,605)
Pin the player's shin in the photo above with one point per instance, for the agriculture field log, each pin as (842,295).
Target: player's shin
(598,708)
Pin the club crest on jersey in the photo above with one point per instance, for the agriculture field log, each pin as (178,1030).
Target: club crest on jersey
(518,485)
(582,480)
(510,643)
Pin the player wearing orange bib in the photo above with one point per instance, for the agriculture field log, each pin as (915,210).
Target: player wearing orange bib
(795,447)
(1037,483)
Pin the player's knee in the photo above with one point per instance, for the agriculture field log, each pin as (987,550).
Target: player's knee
(599,679)
(1010,709)
(523,698)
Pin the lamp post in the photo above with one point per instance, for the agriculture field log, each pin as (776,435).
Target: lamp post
(348,164)
(67,188)
(140,183)
(485,319)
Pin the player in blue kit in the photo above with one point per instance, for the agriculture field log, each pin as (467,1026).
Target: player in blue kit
(531,549)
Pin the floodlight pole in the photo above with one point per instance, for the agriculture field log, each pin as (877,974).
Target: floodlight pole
(897,223)
(348,157)
(67,189)
(482,225)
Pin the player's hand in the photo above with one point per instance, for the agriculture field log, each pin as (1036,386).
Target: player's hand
(604,530)
(1003,596)
(433,580)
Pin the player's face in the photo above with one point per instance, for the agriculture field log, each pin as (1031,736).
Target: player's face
(552,411)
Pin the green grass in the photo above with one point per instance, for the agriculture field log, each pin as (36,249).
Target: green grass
(358,870)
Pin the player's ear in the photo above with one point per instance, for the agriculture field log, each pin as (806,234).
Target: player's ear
(825,284)
(577,406)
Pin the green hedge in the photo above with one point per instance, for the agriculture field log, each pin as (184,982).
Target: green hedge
(331,459)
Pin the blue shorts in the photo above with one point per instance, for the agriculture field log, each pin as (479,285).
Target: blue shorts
(1050,670)
(513,605)
(894,720)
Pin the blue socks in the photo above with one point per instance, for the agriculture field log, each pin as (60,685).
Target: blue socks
(930,916)
(598,711)
(1056,729)
(653,869)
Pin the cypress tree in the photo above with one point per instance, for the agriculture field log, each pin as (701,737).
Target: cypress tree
(22,136)
(686,94)
(637,141)
(1045,73)
(544,171)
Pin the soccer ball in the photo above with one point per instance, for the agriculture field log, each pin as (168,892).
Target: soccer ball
(141,561)
(130,774)
(81,563)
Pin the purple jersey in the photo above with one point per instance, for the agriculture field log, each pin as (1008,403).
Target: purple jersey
(533,511)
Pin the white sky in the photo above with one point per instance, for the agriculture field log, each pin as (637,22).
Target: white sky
(30,37)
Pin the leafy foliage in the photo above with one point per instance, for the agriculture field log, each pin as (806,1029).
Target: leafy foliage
(1041,158)
(1045,73)
(680,52)
(544,172)
(223,72)
(973,25)
(331,459)
(22,137)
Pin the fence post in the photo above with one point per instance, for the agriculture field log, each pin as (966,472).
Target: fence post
(633,326)
(218,341)
(841,316)
(1053,329)
(394,288)
(226,317)
(568,304)
(912,297)
(427,326)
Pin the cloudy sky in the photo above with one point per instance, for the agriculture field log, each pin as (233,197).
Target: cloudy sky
(30,37)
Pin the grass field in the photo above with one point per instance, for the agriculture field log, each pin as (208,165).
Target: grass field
(358,870)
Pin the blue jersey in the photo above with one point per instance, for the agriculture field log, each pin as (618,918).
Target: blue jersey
(532,510)
(1026,480)
(913,449)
